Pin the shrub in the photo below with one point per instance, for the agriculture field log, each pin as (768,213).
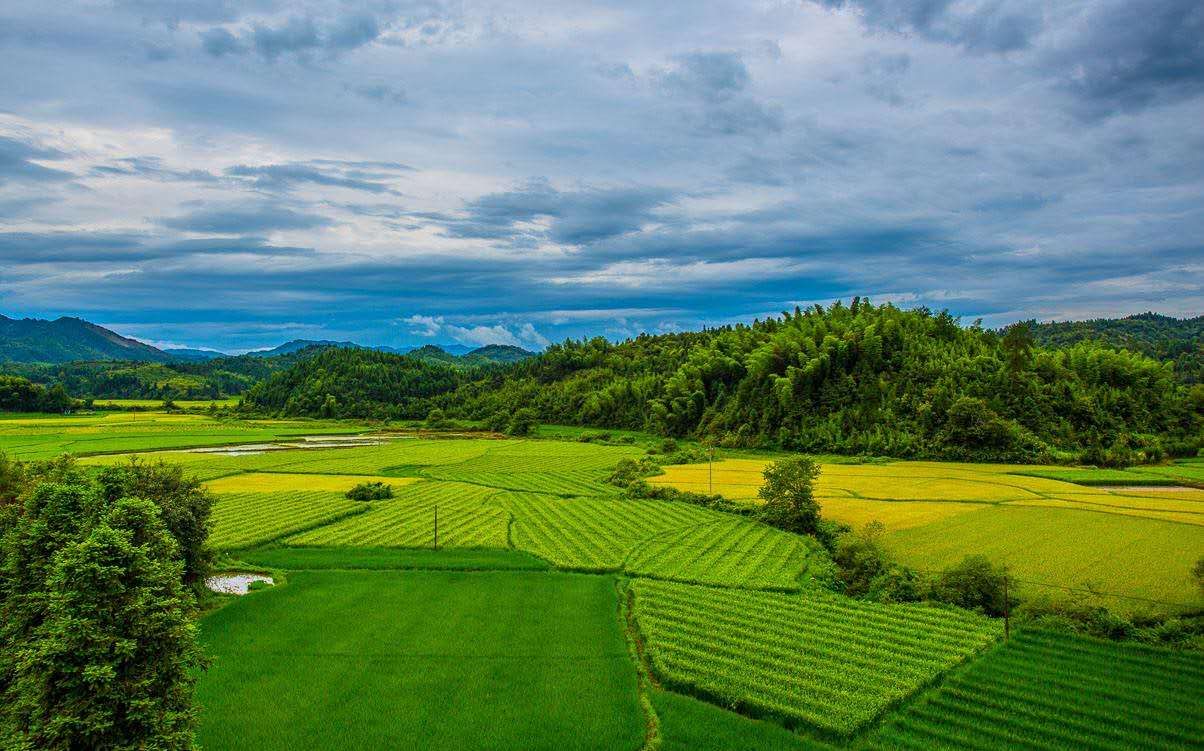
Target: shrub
(370,491)
(974,584)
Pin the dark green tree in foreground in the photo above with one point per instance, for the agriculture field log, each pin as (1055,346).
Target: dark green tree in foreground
(97,646)
(114,664)
(789,501)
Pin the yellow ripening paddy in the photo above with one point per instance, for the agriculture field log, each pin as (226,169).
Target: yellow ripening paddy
(267,482)
(902,495)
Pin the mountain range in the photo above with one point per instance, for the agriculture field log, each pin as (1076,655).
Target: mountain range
(33,340)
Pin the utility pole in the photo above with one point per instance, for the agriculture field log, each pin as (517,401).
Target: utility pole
(711,470)
(1007,626)
(436,527)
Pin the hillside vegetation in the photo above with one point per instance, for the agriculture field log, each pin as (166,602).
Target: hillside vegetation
(1157,336)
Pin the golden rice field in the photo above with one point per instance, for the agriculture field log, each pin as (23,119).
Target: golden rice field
(1138,542)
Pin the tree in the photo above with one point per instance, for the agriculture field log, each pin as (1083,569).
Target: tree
(435,419)
(1198,572)
(183,502)
(1017,343)
(523,422)
(974,584)
(789,503)
(115,662)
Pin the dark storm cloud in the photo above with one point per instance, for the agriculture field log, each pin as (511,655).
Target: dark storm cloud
(244,219)
(1130,55)
(18,162)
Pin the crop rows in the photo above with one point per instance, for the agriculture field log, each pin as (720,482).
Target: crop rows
(565,482)
(408,520)
(727,551)
(1055,691)
(246,519)
(828,662)
(591,533)
(545,456)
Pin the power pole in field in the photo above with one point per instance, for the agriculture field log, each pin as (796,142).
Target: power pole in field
(1007,626)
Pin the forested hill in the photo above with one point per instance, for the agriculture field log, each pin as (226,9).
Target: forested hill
(861,379)
(66,339)
(851,378)
(1161,337)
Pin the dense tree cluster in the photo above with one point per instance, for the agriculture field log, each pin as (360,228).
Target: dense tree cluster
(97,641)
(19,395)
(861,378)
(1157,336)
(357,383)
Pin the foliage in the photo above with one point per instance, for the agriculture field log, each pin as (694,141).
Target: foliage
(97,648)
(1153,335)
(1051,690)
(370,491)
(19,395)
(828,662)
(361,383)
(854,379)
(788,500)
(184,505)
(867,569)
(974,584)
(523,422)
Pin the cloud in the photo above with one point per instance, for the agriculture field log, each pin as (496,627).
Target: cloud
(296,35)
(235,219)
(18,162)
(977,25)
(1128,56)
(525,335)
(574,217)
(284,177)
(714,76)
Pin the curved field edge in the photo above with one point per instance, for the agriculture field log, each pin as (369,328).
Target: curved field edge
(806,661)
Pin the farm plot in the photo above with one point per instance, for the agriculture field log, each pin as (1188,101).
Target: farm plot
(1054,691)
(568,482)
(274,482)
(245,519)
(427,660)
(727,551)
(407,520)
(826,662)
(592,534)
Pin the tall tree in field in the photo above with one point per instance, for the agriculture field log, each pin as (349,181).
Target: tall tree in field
(789,502)
(1017,343)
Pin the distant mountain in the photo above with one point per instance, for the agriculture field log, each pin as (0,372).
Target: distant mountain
(1151,334)
(296,345)
(194,355)
(432,352)
(502,353)
(69,339)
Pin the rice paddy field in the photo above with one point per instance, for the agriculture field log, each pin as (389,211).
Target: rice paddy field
(508,597)
(1125,545)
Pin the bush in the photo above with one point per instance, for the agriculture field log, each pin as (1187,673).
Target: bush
(974,584)
(628,471)
(436,420)
(523,422)
(370,491)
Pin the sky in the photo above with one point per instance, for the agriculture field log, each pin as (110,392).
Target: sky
(232,175)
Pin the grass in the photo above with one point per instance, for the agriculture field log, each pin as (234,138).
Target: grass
(45,437)
(432,660)
(827,662)
(1131,542)
(277,482)
(1054,691)
(688,724)
(451,559)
